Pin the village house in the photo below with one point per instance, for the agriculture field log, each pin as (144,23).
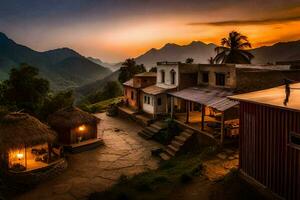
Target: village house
(270,139)
(27,145)
(205,107)
(133,87)
(171,76)
(77,130)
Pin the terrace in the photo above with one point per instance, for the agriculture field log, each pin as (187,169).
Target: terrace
(206,111)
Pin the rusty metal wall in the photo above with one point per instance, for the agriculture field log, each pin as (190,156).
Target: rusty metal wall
(264,151)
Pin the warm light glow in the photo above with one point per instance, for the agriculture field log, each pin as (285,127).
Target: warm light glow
(20,156)
(82,128)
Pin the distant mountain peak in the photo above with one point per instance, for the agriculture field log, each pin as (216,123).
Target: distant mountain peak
(4,38)
(170,45)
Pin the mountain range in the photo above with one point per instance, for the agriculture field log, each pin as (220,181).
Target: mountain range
(64,67)
(201,52)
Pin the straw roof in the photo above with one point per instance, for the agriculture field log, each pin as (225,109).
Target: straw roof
(19,129)
(71,117)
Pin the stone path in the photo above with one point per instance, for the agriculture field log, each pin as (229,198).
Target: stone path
(124,152)
(219,166)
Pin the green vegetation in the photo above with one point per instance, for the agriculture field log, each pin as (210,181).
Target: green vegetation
(111,90)
(129,69)
(233,50)
(25,91)
(158,184)
(165,136)
(100,106)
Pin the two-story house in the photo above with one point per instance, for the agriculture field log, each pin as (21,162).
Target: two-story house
(171,76)
(133,87)
(205,106)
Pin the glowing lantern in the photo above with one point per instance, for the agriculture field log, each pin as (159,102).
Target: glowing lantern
(19,156)
(81,128)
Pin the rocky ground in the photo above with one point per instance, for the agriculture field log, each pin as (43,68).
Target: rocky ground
(123,152)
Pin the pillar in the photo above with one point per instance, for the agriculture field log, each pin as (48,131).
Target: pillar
(187,111)
(202,117)
(222,127)
(172,107)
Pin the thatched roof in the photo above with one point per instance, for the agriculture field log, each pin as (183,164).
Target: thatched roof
(19,129)
(71,117)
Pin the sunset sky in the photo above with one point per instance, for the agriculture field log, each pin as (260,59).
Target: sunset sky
(113,30)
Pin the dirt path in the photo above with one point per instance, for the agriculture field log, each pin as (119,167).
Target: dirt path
(124,152)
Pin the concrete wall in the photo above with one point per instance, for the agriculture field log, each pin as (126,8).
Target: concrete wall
(252,80)
(127,93)
(162,108)
(228,70)
(167,69)
(148,108)
(142,82)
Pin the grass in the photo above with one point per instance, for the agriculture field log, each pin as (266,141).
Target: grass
(101,106)
(157,184)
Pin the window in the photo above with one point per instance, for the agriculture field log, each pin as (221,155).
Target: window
(162,72)
(294,140)
(145,99)
(205,77)
(159,101)
(173,77)
(148,100)
(132,95)
(220,79)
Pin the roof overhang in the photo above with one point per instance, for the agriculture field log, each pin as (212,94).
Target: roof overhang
(212,97)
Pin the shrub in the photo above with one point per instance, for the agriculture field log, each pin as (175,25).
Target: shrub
(185,178)
(123,179)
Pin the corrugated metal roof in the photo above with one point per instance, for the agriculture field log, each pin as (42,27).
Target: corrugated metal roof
(212,97)
(274,97)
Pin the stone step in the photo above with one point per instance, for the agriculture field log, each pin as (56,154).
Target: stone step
(156,126)
(145,134)
(189,131)
(173,148)
(164,156)
(177,143)
(180,138)
(170,152)
(186,134)
(152,129)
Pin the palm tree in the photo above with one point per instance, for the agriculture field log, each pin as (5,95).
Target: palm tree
(211,60)
(233,49)
(189,60)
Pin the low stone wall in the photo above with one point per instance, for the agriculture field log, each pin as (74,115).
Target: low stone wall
(23,181)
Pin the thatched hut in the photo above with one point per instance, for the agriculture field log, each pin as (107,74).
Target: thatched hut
(75,127)
(25,143)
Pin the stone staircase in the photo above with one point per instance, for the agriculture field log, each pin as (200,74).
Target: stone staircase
(149,131)
(176,144)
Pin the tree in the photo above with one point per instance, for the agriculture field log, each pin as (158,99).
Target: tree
(189,60)
(55,102)
(112,89)
(153,69)
(24,89)
(129,69)
(211,60)
(233,50)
